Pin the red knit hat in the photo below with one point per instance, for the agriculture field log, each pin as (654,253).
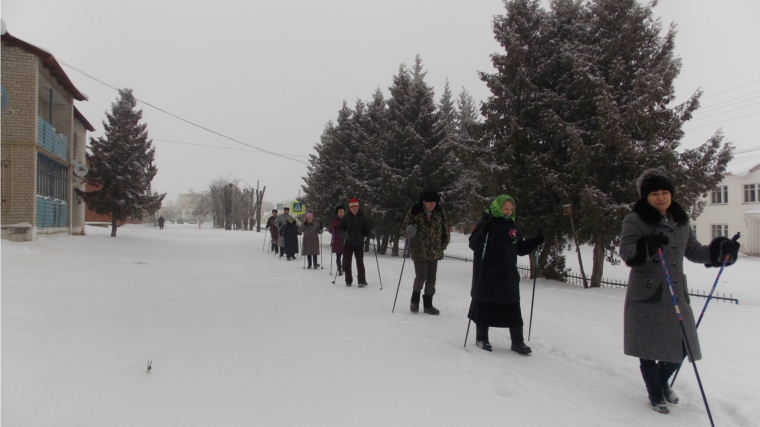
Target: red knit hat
(353,203)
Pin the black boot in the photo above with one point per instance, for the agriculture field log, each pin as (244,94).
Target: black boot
(651,375)
(481,338)
(414,307)
(518,340)
(666,369)
(427,303)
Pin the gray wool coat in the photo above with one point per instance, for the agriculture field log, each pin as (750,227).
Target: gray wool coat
(651,329)
(311,234)
(280,222)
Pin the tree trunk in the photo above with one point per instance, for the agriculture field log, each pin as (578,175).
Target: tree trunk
(113,225)
(396,238)
(384,245)
(596,273)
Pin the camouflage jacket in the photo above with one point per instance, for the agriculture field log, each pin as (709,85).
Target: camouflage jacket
(432,237)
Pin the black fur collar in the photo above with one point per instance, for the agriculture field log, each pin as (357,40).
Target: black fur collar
(417,208)
(650,215)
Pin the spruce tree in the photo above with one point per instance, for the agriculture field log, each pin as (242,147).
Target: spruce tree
(581,106)
(121,165)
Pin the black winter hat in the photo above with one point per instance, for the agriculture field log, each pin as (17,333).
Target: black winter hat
(653,180)
(430,196)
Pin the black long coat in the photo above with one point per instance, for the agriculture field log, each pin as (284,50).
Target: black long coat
(495,277)
(290,234)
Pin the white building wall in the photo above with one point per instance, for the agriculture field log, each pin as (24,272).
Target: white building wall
(736,213)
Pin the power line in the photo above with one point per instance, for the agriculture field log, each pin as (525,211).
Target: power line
(717,123)
(211,146)
(729,111)
(715,106)
(728,90)
(187,121)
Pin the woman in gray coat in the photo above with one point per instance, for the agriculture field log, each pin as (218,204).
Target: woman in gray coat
(311,231)
(651,330)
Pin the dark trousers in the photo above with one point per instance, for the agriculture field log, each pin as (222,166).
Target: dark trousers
(310,258)
(515,333)
(425,272)
(275,248)
(357,251)
(339,261)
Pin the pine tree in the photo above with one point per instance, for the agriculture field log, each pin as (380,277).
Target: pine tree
(580,107)
(448,114)
(121,165)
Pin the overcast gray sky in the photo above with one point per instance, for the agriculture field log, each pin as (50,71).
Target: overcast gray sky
(271,74)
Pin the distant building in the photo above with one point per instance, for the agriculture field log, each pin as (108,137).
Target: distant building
(734,206)
(43,144)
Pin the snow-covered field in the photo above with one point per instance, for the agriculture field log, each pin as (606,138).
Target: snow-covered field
(240,338)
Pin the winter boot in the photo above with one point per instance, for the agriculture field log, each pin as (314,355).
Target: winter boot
(427,303)
(348,284)
(485,345)
(414,307)
(521,348)
(362,284)
(651,375)
(666,369)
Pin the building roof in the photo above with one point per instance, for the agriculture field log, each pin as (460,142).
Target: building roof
(78,115)
(48,60)
(744,162)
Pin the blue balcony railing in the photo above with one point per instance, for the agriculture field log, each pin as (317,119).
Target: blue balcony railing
(51,212)
(56,143)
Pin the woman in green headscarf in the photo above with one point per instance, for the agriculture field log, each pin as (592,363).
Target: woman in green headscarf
(496,242)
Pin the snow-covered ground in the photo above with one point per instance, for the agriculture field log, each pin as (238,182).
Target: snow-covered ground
(240,338)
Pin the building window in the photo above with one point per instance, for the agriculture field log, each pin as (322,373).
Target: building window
(719,230)
(720,195)
(51,178)
(751,193)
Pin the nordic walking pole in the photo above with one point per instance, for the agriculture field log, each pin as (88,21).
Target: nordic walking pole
(265,242)
(410,232)
(683,333)
(482,257)
(378,265)
(321,249)
(533,298)
(344,260)
(468,324)
(709,297)
(535,275)
(303,256)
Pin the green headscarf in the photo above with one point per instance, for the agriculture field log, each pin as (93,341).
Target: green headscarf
(495,209)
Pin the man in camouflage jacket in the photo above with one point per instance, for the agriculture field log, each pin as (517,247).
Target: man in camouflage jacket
(427,246)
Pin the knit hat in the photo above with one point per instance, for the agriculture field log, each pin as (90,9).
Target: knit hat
(353,203)
(286,208)
(274,210)
(653,180)
(430,196)
(309,215)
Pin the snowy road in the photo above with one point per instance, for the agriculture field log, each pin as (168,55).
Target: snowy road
(241,338)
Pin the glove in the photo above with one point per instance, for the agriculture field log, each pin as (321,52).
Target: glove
(343,234)
(411,231)
(655,242)
(719,248)
(538,239)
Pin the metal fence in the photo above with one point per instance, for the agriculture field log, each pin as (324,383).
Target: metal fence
(577,280)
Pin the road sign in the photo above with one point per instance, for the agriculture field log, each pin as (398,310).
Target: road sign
(297,208)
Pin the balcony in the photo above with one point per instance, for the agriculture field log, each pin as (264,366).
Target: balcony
(56,143)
